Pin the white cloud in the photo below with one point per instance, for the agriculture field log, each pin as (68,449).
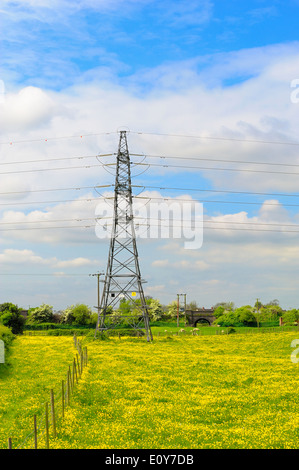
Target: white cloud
(75,263)
(21,257)
(25,257)
(196,265)
(31,107)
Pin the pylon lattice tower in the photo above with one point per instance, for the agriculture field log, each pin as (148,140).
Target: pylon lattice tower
(123,277)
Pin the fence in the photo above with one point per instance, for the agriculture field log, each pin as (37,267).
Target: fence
(54,409)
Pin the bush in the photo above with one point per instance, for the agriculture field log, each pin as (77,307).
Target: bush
(79,314)
(290,317)
(10,316)
(231,330)
(42,314)
(67,332)
(119,332)
(6,335)
(228,319)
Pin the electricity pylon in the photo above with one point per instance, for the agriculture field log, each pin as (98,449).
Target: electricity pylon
(123,278)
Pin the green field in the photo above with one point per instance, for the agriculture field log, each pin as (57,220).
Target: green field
(183,392)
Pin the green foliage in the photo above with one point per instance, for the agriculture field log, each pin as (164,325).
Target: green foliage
(270,312)
(172,309)
(192,305)
(41,314)
(79,314)
(125,332)
(6,335)
(228,319)
(155,309)
(290,317)
(219,311)
(10,316)
(231,330)
(246,315)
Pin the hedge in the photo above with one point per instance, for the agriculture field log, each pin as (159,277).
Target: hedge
(6,335)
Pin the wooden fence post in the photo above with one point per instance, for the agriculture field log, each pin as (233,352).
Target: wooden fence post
(70,379)
(75,370)
(67,389)
(53,413)
(47,427)
(9,443)
(35,432)
(78,365)
(62,398)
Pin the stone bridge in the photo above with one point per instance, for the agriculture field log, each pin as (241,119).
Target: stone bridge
(201,316)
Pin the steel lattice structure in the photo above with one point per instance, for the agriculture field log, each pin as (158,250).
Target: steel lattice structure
(123,277)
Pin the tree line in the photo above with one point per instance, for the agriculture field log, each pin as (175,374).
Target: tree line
(80,315)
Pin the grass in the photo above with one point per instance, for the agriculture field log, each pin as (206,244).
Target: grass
(220,391)
(33,367)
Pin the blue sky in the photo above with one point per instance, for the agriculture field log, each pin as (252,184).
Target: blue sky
(216,70)
(53,43)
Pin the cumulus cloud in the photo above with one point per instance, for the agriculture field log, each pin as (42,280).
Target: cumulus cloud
(23,257)
(31,107)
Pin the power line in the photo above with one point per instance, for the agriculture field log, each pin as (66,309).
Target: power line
(79,219)
(211,202)
(56,159)
(78,188)
(49,202)
(187,167)
(42,274)
(220,228)
(274,142)
(203,137)
(216,191)
(50,169)
(43,139)
(210,159)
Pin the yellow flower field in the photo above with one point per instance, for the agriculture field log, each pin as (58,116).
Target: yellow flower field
(231,391)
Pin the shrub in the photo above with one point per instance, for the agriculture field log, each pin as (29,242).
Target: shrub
(290,317)
(10,316)
(228,319)
(118,332)
(42,314)
(79,314)
(6,335)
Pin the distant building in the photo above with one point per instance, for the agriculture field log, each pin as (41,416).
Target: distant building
(24,313)
(201,316)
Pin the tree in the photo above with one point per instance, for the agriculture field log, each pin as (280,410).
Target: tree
(79,314)
(192,305)
(246,314)
(125,307)
(10,316)
(270,312)
(67,315)
(291,317)
(274,302)
(41,314)
(172,309)
(228,319)
(155,310)
(229,306)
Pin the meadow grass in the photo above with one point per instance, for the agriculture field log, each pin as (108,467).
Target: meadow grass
(34,366)
(230,391)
